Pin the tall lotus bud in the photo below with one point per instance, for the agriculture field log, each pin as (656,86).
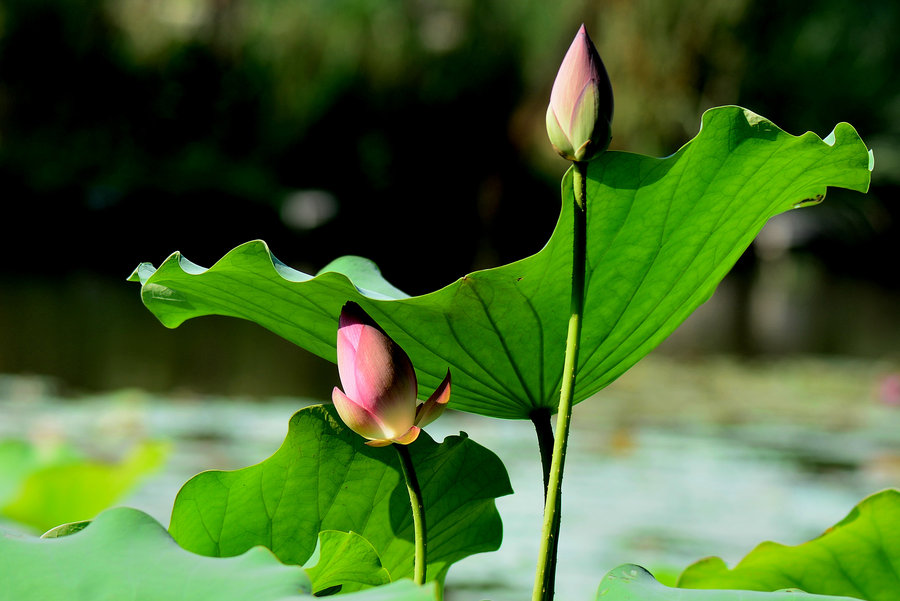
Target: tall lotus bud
(379,397)
(581,103)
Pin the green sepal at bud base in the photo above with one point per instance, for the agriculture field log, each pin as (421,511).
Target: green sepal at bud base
(581,103)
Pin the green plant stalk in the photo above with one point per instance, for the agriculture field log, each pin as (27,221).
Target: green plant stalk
(545,575)
(418,511)
(544,430)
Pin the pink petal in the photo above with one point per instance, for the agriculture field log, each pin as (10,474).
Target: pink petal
(357,418)
(431,409)
(352,324)
(375,372)
(411,435)
(575,71)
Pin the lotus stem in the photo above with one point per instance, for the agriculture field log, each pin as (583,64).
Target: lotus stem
(545,576)
(544,430)
(418,511)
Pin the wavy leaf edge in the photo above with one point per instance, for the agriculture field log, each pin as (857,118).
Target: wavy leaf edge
(865,509)
(145,270)
(494,380)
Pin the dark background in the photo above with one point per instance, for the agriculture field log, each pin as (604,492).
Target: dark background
(410,132)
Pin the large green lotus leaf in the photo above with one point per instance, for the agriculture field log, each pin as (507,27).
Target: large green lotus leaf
(325,478)
(858,557)
(634,583)
(661,235)
(63,487)
(126,554)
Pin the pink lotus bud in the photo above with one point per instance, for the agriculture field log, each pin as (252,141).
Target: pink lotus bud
(581,103)
(379,397)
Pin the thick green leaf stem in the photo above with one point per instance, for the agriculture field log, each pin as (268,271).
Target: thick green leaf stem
(545,575)
(662,233)
(417,505)
(546,441)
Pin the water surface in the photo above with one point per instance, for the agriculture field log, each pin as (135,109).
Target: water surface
(675,461)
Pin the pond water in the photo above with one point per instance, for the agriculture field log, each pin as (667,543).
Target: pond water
(675,461)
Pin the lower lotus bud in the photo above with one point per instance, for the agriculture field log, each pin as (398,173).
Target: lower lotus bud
(378,401)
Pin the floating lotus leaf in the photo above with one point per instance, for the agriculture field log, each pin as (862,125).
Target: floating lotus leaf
(857,557)
(126,554)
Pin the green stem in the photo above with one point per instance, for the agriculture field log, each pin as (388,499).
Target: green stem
(544,430)
(418,510)
(545,575)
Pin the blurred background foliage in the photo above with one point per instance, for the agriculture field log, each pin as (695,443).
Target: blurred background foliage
(410,132)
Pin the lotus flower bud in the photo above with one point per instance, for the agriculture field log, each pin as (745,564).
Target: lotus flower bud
(581,103)
(379,397)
